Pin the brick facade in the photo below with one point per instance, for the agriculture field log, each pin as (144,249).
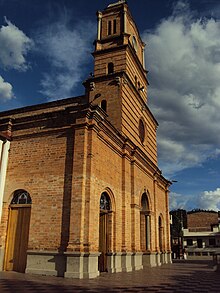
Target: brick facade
(202,221)
(67,153)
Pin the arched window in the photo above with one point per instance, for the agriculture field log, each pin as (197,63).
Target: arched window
(21,197)
(145,223)
(105,203)
(141,130)
(110,68)
(144,202)
(109,27)
(104,105)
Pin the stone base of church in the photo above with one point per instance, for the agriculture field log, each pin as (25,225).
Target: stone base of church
(164,258)
(124,262)
(50,263)
(69,265)
(168,257)
(137,261)
(81,265)
(150,259)
(153,259)
(85,265)
(114,262)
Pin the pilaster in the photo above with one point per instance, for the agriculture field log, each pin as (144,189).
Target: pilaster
(77,211)
(126,200)
(156,247)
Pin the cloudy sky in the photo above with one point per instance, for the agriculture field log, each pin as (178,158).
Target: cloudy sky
(45,48)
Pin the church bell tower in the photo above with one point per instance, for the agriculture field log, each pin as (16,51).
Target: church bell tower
(119,83)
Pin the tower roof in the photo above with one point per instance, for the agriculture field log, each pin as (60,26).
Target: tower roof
(117,3)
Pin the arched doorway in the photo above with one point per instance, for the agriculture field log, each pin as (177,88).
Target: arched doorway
(18,232)
(105,209)
(145,223)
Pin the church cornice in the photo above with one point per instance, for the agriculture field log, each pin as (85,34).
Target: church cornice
(62,103)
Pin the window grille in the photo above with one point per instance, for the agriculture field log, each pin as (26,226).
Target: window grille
(21,197)
(105,202)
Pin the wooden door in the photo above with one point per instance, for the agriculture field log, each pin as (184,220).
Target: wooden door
(17,238)
(103,242)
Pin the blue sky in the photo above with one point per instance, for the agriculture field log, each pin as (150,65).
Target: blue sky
(45,48)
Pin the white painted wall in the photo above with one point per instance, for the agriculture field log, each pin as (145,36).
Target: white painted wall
(3,169)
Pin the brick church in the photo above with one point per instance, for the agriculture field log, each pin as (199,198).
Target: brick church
(80,188)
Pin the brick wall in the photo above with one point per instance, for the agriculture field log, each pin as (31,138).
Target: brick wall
(202,220)
(66,169)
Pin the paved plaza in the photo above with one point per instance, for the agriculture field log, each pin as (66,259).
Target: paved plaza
(181,276)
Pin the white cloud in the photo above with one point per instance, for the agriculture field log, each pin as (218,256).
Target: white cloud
(14,47)
(6,92)
(210,200)
(207,200)
(183,57)
(67,50)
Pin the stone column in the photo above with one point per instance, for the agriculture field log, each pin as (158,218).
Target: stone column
(143,52)
(125,24)
(99,15)
(148,231)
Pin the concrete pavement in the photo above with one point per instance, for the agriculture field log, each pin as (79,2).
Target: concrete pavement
(181,276)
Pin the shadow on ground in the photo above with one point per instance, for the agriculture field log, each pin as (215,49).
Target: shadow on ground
(181,276)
